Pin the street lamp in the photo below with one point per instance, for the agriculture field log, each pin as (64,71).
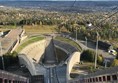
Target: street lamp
(96,50)
(105,62)
(76,33)
(2,57)
(86,41)
(90,25)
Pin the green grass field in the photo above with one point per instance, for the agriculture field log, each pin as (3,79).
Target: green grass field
(69,42)
(29,41)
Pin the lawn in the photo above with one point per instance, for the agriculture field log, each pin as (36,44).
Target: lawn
(6,27)
(32,29)
(69,42)
(29,41)
(40,29)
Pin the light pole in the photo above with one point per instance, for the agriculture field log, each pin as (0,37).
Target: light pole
(105,62)
(76,33)
(2,56)
(96,50)
(86,41)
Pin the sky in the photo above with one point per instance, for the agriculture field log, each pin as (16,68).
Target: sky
(58,0)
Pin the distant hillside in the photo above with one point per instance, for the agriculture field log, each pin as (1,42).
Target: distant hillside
(65,6)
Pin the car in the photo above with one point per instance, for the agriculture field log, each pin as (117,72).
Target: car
(22,66)
(113,52)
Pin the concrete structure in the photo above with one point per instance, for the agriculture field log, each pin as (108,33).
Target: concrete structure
(10,41)
(24,60)
(6,77)
(8,44)
(67,47)
(72,60)
(31,55)
(34,51)
(62,49)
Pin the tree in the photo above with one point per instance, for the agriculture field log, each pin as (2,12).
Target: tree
(10,59)
(100,59)
(114,63)
(88,55)
(117,56)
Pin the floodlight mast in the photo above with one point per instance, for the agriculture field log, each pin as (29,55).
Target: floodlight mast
(3,66)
